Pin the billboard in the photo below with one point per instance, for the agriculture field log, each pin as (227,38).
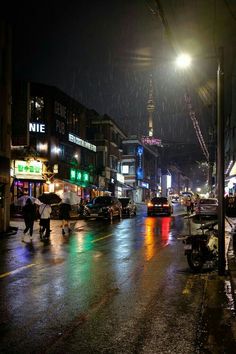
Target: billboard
(151,140)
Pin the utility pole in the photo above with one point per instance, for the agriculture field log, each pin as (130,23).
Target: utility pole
(220,161)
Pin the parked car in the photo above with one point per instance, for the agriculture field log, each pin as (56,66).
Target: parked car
(206,207)
(159,205)
(105,207)
(128,206)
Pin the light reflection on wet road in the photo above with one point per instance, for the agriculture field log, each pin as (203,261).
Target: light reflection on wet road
(95,289)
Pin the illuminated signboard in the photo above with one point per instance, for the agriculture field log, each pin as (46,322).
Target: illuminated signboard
(150,140)
(144,185)
(28,169)
(125,169)
(37,128)
(139,170)
(76,140)
(120,178)
(79,176)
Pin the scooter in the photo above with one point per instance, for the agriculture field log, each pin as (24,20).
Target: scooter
(202,248)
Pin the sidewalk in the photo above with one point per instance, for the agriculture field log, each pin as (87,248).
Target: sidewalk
(218,318)
(231,257)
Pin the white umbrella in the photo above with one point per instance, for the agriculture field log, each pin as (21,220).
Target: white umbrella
(70,198)
(22,200)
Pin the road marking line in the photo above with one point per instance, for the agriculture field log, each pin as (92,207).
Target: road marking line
(101,238)
(18,270)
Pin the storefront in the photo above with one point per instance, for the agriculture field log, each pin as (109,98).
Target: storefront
(78,181)
(27,178)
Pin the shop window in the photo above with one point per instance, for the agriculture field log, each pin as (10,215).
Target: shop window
(132,169)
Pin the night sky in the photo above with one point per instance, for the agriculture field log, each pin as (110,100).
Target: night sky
(103,52)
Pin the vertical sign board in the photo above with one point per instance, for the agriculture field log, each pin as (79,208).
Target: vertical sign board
(20,113)
(139,169)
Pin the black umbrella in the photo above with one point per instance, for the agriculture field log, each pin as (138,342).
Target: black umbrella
(49,198)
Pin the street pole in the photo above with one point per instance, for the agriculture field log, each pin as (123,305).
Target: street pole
(220,161)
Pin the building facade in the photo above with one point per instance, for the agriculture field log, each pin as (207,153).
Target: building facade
(103,132)
(5,125)
(49,151)
(140,169)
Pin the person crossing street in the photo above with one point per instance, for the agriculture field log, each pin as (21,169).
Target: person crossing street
(29,214)
(45,212)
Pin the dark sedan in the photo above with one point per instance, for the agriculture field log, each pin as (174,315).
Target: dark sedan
(159,205)
(105,207)
(128,207)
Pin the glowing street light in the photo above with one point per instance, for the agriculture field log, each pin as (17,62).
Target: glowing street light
(183,61)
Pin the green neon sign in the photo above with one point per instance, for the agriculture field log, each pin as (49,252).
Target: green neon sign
(79,176)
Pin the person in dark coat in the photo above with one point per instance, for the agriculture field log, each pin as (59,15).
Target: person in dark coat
(81,206)
(64,216)
(29,214)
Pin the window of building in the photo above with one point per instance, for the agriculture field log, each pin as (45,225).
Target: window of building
(130,150)
(37,108)
(132,169)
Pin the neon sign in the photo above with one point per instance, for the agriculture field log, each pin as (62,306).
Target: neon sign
(139,170)
(28,169)
(37,127)
(150,140)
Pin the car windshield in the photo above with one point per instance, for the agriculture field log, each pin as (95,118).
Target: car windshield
(160,200)
(102,200)
(208,201)
(124,201)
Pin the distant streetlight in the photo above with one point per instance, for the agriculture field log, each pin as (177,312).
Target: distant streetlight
(184,61)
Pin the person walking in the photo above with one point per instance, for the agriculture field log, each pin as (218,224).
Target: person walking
(81,207)
(29,214)
(64,216)
(44,212)
(189,204)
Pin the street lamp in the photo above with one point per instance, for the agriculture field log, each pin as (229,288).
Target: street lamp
(184,61)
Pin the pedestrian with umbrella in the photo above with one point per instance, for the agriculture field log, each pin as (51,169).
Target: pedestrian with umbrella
(45,212)
(64,215)
(29,214)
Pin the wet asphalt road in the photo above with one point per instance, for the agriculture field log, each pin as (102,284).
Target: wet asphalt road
(123,287)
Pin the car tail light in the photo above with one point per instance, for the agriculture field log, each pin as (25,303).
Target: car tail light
(165,205)
(149,204)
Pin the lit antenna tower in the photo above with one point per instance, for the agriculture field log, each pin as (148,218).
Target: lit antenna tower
(150,108)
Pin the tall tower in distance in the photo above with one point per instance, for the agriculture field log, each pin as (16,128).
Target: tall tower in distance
(150,107)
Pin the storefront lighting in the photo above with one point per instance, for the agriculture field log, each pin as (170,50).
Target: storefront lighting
(42,147)
(79,176)
(56,150)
